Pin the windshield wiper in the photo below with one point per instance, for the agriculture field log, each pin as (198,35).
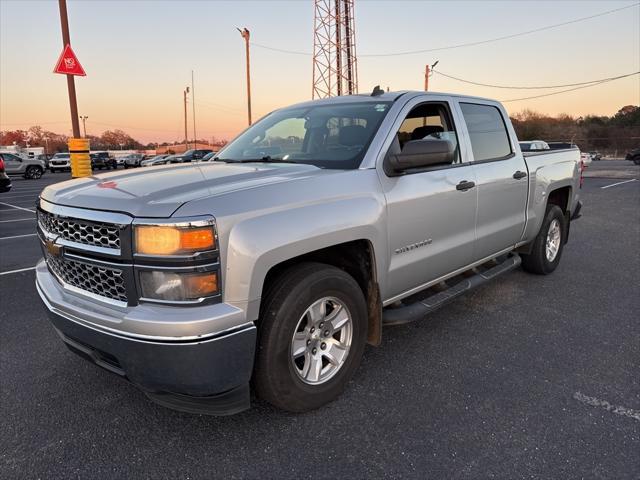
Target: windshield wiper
(265,159)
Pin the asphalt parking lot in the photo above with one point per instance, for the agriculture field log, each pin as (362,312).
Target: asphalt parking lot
(528,376)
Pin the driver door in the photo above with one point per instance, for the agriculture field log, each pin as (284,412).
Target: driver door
(431,220)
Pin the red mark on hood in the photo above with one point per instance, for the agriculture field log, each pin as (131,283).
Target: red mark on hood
(107,185)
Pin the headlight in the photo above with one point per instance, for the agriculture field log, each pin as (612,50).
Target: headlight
(169,286)
(171,240)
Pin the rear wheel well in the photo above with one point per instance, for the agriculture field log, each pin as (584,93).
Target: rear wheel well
(560,197)
(356,258)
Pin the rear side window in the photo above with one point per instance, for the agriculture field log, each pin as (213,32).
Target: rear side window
(487,131)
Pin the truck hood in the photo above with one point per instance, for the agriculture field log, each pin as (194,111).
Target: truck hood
(160,191)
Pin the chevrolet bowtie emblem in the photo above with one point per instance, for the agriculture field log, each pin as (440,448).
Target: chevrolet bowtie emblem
(53,249)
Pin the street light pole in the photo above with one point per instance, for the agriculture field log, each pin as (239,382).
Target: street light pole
(193,109)
(246,35)
(186,133)
(71,86)
(84,124)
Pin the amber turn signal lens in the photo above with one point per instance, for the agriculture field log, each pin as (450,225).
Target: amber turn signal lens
(201,285)
(161,240)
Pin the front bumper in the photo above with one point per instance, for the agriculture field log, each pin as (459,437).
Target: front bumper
(209,374)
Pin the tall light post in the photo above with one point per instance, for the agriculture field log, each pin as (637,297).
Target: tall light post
(186,134)
(246,35)
(193,109)
(84,124)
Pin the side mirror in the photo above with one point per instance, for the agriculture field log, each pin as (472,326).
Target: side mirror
(420,154)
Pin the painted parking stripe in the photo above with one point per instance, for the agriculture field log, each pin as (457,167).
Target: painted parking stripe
(19,208)
(619,183)
(17,271)
(19,236)
(17,220)
(596,402)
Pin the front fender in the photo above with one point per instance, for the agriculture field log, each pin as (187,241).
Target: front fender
(258,244)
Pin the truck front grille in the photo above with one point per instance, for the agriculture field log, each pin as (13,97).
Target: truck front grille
(80,231)
(106,282)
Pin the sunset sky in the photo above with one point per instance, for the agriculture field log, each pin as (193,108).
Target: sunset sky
(139,55)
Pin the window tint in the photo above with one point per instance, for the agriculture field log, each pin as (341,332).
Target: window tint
(426,122)
(487,131)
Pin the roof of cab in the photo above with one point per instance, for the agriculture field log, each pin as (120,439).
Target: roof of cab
(383,97)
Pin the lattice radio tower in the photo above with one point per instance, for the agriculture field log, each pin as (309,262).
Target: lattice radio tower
(335,68)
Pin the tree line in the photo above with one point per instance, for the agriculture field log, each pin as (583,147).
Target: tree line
(609,135)
(117,139)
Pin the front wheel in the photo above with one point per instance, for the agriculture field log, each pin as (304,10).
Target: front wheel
(548,244)
(636,160)
(312,333)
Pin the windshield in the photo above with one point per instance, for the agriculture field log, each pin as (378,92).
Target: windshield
(61,155)
(327,136)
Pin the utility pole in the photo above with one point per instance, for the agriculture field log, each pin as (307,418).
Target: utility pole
(84,124)
(186,133)
(246,35)
(193,109)
(427,73)
(71,86)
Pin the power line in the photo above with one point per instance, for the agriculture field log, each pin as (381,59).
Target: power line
(461,45)
(530,87)
(565,91)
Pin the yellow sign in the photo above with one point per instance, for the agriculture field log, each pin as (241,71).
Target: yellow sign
(80,159)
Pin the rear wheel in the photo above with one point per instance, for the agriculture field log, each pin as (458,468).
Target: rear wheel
(313,330)
(33,172)
(547,247)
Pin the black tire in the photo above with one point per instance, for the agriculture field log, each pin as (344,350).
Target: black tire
(537,261)
(636,160)
(289,296)
(33,173)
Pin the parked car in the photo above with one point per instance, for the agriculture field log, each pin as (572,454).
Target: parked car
(100,160)
(5,181)
(157,160)
(533,146)
(208,157)
(634,156)
(596,156)
(191,155)
(132,160)
(278,268)
(60,162)
(586,159)
(30,168)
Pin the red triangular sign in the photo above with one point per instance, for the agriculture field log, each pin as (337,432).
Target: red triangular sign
(68,63)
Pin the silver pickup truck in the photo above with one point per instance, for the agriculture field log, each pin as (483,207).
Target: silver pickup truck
(275,264)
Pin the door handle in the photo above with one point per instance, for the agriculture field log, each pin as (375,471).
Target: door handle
(518,175)
(464,185)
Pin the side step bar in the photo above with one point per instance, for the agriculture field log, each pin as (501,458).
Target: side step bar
(421,308)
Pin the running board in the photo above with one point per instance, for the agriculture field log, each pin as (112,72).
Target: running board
(420,308)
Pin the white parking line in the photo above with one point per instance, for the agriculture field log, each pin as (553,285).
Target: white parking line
(17,271)
(19,236)
(19,208)
(619,183)
(595,402)
(17,220)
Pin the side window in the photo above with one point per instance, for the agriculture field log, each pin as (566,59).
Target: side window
(13,158)
(487,131)
(429,121)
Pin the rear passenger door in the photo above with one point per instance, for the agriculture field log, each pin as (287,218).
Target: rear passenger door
(501,178)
